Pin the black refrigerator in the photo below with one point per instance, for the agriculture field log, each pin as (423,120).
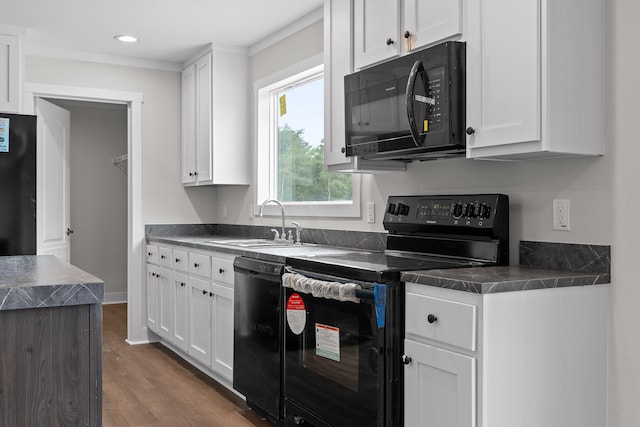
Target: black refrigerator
(17,184)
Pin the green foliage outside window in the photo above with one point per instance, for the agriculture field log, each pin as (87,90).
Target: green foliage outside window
(301,173)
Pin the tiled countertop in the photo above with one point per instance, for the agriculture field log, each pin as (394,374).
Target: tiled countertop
(36,281)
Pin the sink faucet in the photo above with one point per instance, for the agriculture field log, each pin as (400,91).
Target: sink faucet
(266,202)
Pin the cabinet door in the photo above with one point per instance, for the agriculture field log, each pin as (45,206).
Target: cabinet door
(431,21)
(375,31)
(10,80)
(189,124)
(200,320)
(338,63)
(222,331)
(440,387)
(152,298)
(165,282)
(203,118)
(503,72)
(179,308)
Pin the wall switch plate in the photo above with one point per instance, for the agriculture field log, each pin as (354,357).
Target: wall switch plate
(562,214)
(371,212)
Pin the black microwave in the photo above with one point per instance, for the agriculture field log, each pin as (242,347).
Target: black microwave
(409,108)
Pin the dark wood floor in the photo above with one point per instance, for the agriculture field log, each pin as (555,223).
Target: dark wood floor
(148,385)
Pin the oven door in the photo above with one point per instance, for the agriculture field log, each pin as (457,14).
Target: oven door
(334,361)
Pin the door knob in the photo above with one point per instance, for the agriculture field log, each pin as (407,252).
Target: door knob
(406,359)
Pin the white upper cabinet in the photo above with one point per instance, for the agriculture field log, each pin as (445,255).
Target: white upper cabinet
(376,27)
(338,62)
(215,134)
(10,74)
(383,29)
(429,21)
(535,82)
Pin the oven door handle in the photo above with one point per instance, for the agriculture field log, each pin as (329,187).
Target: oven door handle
(411,88)
(364,294)
(323,288)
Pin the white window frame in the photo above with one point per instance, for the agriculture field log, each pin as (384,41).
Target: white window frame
(265,157)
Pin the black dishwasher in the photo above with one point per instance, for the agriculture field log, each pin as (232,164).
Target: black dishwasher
(257,332)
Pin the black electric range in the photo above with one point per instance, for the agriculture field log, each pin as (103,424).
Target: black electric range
(327,382)
(425,233)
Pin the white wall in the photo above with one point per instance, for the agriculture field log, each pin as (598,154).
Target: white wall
(164,199)
(99,194)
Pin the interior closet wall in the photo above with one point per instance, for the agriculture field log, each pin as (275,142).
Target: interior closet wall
(99,194)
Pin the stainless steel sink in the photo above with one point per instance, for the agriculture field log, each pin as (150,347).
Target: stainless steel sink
(247,243)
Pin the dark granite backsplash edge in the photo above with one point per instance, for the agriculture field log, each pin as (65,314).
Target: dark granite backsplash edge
(579,258)
(343,238)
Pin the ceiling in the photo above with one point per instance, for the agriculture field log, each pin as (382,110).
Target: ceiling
(168,30)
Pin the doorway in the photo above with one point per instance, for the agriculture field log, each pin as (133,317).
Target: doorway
(98,192)
(136,326)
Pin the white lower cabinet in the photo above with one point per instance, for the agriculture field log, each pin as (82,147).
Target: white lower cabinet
(164,303)
(153,298)
(523,358)
(180,313)
(190,306)
(222,330)
(439,387)
(200,320)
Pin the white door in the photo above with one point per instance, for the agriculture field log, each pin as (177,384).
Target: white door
(53,222)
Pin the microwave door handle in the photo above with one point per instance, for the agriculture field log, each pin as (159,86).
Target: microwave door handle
(411,87)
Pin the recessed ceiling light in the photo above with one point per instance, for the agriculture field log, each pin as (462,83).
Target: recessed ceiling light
(126,39)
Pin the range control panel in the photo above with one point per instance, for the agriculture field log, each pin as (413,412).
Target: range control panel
(477,210)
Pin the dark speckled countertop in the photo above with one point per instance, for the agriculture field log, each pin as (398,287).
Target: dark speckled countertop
(543,265)
(36,281)
(486,280)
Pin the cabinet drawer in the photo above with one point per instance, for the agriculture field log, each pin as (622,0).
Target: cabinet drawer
(165,257)
(152,254)
(222,270)
(447,321)
(200,265)
(180,261)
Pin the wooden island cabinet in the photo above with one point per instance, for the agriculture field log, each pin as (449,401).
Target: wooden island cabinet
(50,343)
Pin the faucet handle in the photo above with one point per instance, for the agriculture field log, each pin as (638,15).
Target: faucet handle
(298,230)
(276,234)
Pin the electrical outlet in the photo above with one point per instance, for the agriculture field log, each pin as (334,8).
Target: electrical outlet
(371,212)
(562,214)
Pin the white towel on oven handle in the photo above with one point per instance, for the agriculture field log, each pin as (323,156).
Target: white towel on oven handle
(321,288)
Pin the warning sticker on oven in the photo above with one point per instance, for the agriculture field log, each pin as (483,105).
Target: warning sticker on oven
(328,341)
(296,314)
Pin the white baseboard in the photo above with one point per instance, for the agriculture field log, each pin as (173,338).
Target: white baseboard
(115,298)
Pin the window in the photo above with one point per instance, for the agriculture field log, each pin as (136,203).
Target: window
(290,147)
